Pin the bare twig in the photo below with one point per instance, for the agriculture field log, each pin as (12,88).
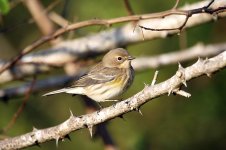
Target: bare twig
(176,4)
(37,11)
(155,78)
(201,67)
(21,108)
(128,7)
(58,19)
(189,13)
(107,23)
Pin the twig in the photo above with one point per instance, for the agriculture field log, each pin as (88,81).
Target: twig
(58,19)
(176,4)
(201,67)
(189,13)
(155,78)
(37,11)
(107,22)
(21,108)
(128,7)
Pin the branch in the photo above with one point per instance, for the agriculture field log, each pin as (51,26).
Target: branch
(199,50)
(190,13)
(116,37)
(38,13)
(55,82)
(128,7)
(201,67)
(21,108)
(44,24)
(140,63)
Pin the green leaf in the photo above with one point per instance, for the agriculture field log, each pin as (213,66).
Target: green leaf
(4,6)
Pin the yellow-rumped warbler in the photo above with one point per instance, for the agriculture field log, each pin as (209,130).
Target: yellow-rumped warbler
(108,79)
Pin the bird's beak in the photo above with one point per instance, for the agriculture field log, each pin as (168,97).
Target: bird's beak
(130,57)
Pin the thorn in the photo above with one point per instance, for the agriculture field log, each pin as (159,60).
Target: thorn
(145,85)
(34,129)
(154,78)
(57,141)
(90,130)
(138,109)
(68,137)
(206,60)
(71,113)
(37,144)
(184,83)
(170,91)
(209,75)
(140,112)
(181,74)
(200,60)
(180,66)
(121,116)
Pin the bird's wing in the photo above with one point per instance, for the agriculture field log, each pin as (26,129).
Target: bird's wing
(98,74)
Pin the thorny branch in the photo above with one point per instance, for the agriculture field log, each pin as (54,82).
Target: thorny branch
(201,67)
(109,22)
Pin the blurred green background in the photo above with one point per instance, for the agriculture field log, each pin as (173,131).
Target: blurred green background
(172,122)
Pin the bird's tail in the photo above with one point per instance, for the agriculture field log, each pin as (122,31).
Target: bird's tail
(55,92)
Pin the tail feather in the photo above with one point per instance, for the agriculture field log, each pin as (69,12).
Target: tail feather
(55,92)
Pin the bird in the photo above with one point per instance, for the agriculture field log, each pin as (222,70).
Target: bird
(106,80)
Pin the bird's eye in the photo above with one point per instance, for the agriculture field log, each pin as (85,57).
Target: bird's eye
(119,58)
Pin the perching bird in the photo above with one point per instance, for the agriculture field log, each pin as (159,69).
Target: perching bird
(106,80)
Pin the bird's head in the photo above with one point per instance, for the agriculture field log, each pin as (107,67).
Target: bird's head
(117,58)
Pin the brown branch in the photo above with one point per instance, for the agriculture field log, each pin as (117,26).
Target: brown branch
(176,4)
(128,7)
(105,22)
(140,63)
(201,67)
(21,108)
(37,11)
(168,29)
